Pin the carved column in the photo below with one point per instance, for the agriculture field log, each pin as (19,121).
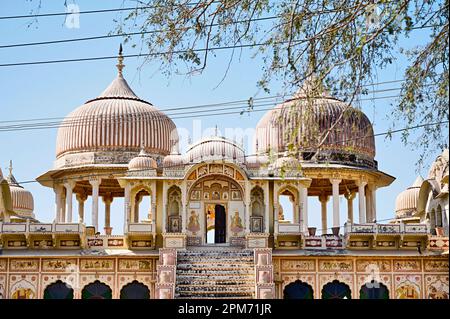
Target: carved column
(266,208)
(183,207)
(58,202)
(165,208)
(350,197)
(247,207)
(154,202)
(95,183)
(323,204)
(69,186)
(335,187)
(304,198)
(81,198)
(136,203)
(63,205)
(107,199)
(127,208)
(362,201)
(374,203)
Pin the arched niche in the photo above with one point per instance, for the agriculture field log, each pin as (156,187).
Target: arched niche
(58,290)
(298,290)
(257,208)
(336,290)
(135,290)
(288,202)
(174,209)
(374,290)
(141,203)
(96,290)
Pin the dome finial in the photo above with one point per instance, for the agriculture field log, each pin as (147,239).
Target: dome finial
(216,130)
(10,168)
(120,64)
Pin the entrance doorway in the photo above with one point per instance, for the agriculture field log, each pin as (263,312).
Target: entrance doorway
(216,231)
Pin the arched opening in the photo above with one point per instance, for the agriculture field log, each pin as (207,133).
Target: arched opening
(433,221)
(257,210)
(439,216)
(58,290)
(298,290)
(96,290)
(174,210)
(287,206)
(142,206)
(336,290)
(373,290)
(135,290)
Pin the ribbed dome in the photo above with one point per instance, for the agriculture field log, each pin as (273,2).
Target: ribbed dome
(142,162)
(22,199)
(303,121)
(215,148)
(112,128)
(406,201)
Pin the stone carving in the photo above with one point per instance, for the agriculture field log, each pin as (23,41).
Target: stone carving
(97,264)
(335,265)
(407,265)
(437,265)
(3,265)
(135,265)
(24,265)
(57,264)
(364,265)
(297,265)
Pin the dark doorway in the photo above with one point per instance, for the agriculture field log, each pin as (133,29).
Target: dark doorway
(220,225)
(135,290)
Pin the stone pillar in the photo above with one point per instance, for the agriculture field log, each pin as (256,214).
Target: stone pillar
(362,201)
(63,206)
(108,200)
(164,208)
(266,208)
(350,197)
(368,193)
(69,185)
(127,208)
(323,204)
(247,207)
(136,203)
(153,204)
(374,203)
(95,192)
(58,194)
(335,187)
(183,208)
(304,196)
(81,198)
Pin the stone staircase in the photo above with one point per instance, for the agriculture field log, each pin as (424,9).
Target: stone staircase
(215,273)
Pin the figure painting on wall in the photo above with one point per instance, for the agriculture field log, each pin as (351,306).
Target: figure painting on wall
(23,293)
(215,195)
(236,223)
(193,225)
(225,196)
(195,195)
(235,195)
(205,195)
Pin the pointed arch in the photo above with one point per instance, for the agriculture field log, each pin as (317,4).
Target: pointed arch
(135,290)
(58,290)
(96,290)
(336,290)
(298,290)
(374,290)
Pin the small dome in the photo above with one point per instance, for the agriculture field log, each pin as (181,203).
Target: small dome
(142,162)
(215,149)
(406,201)
(22,199)
(308,119)
(173,160)
(256,161)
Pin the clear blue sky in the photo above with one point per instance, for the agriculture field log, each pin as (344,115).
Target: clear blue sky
(54,90)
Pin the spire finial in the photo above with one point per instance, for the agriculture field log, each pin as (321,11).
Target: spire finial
(10,168)
(120,64)
(216,130)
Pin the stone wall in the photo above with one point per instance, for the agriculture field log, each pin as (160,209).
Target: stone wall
(405,277)
(31,275)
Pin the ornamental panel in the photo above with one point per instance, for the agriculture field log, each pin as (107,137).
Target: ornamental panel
(335,265)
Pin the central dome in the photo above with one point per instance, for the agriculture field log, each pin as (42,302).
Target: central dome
(215,148)
(304,122)
(112,129)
